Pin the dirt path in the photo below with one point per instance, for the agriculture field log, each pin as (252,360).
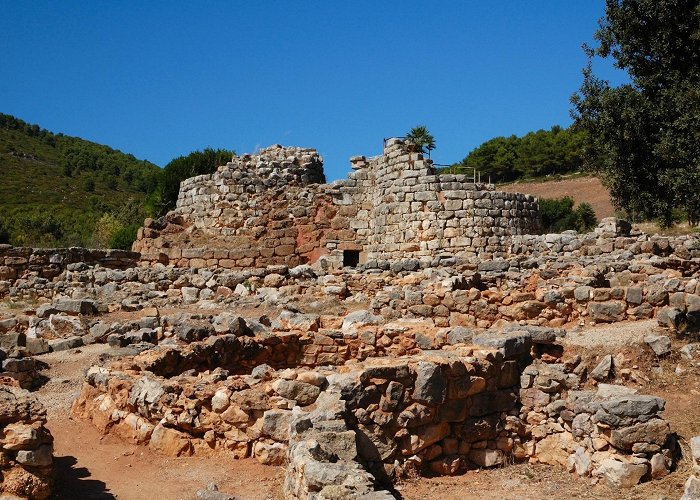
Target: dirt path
(588,189)
(92,466)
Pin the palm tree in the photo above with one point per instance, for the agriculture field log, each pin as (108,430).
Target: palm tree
(421,139)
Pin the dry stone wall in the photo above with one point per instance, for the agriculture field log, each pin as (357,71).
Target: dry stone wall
(27,468)
(273,208)
(50,262)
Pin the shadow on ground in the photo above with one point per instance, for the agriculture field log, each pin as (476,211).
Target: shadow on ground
(72,482)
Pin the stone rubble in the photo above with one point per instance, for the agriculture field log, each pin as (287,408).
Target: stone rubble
(392,324)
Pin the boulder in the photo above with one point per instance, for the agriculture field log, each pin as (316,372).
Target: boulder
(358,319)
(422,437)
(691,490)
(691,352)
(603,370)
(301,392)
(671,318)
(275,423)
(75,307)
(659,466)
(487,458)
(431,384)
(655,431)
(695,452)
(620,474)
(607,312)
(660,344)
(40,457)
(512,345)
(288,320)
(580,462)
(270,453)
(65,344)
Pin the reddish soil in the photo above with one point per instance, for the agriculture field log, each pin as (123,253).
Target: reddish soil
(91,466)
(588,189)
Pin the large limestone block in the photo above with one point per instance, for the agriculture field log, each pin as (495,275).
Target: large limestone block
(620,474)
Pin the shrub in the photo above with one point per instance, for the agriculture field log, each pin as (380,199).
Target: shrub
(558,214)
(124,237)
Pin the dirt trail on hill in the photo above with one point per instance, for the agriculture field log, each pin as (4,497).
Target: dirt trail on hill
(92,466)
(588,189)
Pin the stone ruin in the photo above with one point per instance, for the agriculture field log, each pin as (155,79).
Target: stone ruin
(245,329)
(274,208)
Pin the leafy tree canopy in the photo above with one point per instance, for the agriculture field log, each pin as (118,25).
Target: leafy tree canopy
(559,214)
(206,161)
(643,138)
(536,154)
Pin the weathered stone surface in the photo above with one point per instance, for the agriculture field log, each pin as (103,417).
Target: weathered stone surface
(270,453)
(301,392)
(691,489)
(422,437)
(660,344)
(39,457)
(430,385)
(671,317)
(170,442)
(607,312)
(659,466)
(65,344)
(603,370)
(655,431)
(276,424)
(695,452)
(487,458)
(511,344)
(620,474)
(580,462)
(691,352)
(555,449)
(359,319)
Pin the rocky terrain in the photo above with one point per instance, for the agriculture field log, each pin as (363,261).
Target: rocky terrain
(358,380)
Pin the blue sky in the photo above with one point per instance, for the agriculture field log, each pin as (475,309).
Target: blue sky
(159,79)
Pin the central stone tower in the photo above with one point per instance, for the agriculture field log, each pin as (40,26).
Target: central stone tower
(274,208)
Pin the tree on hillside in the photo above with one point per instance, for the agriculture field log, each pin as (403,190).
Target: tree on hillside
(536,154)
(421,138)
(644,137)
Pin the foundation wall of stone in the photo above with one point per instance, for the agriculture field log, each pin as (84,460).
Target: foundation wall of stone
(50,262)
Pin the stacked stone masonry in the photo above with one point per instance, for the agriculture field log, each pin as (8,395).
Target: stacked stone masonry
(273,208)
(50,262)
(27,467)
(353,429)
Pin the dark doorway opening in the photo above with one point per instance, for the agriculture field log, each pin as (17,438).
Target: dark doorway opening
(351,258)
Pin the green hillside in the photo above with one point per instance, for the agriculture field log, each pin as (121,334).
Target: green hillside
(534,155)
(58,190)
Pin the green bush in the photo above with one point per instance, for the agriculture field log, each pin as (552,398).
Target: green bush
(124,237)
(586,217)
(558,214)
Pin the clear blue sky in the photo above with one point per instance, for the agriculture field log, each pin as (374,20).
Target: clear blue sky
(160,79)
